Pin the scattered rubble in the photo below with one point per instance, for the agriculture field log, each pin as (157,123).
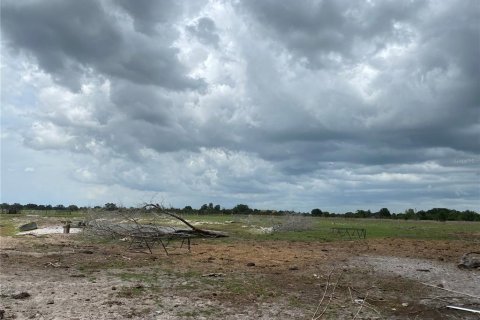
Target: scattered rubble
(470,260)
(21,295)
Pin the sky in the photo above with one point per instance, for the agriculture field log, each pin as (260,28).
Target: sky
(293,105)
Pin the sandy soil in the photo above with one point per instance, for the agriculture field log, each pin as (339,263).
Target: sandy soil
(72,277)
(49,230)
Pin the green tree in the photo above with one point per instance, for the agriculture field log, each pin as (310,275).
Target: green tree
(204,208)
(409,214)
(110,206)
(241,209)
(363,214)
(384,213)
(31,206)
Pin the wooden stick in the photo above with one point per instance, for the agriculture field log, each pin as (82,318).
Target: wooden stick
(324,294)
(462,293)
(330,298)
(361,306)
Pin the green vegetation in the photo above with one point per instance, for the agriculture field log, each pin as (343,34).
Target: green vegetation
(285,226)
(320,228)
(7,227)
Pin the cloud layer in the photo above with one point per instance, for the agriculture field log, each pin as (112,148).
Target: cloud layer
(331,104)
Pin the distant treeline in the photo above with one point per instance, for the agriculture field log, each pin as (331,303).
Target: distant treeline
(439,214)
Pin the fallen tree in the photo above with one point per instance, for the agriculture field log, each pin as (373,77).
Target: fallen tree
(148,235)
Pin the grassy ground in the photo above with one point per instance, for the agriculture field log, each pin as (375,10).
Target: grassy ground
(297,228)
(271,267)
(320,228)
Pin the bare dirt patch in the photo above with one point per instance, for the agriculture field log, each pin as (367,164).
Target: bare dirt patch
(70,277)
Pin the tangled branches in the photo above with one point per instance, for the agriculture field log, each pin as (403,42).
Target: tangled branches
(147,234)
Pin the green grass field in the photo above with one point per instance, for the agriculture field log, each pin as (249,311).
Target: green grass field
(319,228)
(295,228)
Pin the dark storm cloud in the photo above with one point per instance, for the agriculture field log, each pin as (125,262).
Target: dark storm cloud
(297,102)
(149,14)
(205,30)
(425,100)
(316,29)
(70,39)
(141,103)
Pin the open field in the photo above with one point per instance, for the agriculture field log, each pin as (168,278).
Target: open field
(269,268)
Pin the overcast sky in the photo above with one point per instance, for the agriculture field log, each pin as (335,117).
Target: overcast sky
(338,105)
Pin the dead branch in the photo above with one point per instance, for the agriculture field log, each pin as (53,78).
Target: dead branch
(330,298)
(196,230)
(453,291)
(361,305)
(146,235)
(324,294)
(315,317)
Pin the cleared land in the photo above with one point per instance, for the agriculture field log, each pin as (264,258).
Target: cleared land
(264,270)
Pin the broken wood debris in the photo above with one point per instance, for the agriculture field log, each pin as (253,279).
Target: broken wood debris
(142,235)
(453,291)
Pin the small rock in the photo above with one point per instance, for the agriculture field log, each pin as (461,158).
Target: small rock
(404,304)
(214,275)
(77,275)
(86,251)
(470,260)
(50,301)
(250,264)
(21,295)
(114,288)
(440,285)
(293,268)
(28,226)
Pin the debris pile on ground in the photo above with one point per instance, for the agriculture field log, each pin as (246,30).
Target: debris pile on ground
(470,260)
(147,235)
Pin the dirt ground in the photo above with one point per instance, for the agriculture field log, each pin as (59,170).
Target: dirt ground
(74,277)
